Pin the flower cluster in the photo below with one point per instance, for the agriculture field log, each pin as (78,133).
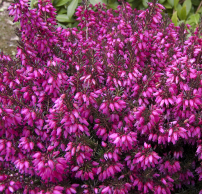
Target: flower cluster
(113,106)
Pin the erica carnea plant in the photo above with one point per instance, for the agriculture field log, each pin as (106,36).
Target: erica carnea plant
(111,107)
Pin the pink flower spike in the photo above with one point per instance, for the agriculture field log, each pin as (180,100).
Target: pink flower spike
(90,174)
(51,164)
(158,190)
(117,106)
(111,106)
(160,6)
(150,158)
(11,189)
(155,20)
(116,140)
(75,168)
(2,187)
(141,158)
(103,144)
(103,105)
(73,190)
(163,181)
(105,190)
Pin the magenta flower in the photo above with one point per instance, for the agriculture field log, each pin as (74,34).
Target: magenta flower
(110,106)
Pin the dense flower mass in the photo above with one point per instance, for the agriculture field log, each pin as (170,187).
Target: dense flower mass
(111,107)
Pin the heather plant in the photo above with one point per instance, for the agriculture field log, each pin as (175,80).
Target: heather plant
(113,106)
(179,11)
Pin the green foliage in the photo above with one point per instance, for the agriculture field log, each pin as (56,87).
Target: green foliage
(167,5)
(64,18)
(61,3)
(71,8)
(176,3)
(33,3)
(171,2)
(174,18)
(188,5)
(193,19)
(187,11)
(144,3)
(179,11)
(183,13)
(161,1)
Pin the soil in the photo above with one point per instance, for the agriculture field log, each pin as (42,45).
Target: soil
(8,38)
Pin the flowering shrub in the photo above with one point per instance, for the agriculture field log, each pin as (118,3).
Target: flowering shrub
(187,11)
(111,107)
